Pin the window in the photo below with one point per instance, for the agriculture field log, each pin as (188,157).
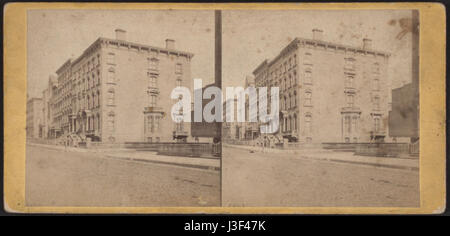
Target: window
(376,68)
(376,124)
(110,58)
(98,122)
(347,124)
(289,123)
(157,119)
(354,123)
(153,64)
(111,75)
(350,100)
(295,98)
(376,103)
(285,103)
(178,82)
(98,98)
(152,100)
(295,122)
(308,76)
(308,95)
(98,77)
(111,122)
(376,84)
(295,77)
(178,68)
(152,81)
(308,126)
(291,104)
(349,63)
(88,102)
(307,58)
(111,97)
(150,124)
(349,82)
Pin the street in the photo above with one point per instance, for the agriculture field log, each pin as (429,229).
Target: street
(59,178)
(269,179)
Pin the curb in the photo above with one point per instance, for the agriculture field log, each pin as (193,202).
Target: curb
(203,167)
(411,168)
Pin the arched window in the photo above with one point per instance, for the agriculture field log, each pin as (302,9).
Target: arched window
(111,97)
(308,97)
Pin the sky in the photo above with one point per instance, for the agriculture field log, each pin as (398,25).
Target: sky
(250,36)
(55,35)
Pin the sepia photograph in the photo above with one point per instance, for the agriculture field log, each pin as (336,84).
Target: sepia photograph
(99,126)
(344,116)
(232,108)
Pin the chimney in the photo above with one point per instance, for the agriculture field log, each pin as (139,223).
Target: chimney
(170,44)
(121,34)
(317,34)
(367,44)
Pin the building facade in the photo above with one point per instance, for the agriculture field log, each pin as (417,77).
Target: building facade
(119,91)
(329,92)
(34,127)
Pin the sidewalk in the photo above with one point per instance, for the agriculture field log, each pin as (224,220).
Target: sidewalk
(143,156)
(343,157)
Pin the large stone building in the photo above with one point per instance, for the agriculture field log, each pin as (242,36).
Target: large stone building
(34,118)
(329,92)
(119,91)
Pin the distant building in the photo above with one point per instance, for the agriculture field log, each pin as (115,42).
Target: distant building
(251,112)
(204,131)
(119,91)
(34,126)
(329,92)
(404,117)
